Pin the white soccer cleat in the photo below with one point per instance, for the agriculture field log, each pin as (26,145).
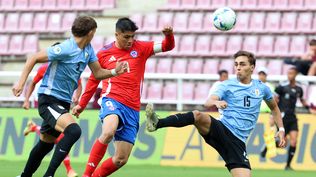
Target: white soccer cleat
(152,118)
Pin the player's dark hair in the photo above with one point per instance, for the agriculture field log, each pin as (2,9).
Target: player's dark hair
(83,25)
(312,42)
(222,71)
(125,24)
(249,55)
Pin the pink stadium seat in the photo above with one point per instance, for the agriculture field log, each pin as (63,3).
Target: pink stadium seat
(30,44)
(242,22)
(265,47)
(40,22)
(288,21)
(164,65)
(93,5)
(144,90)
(63,4)
(2,20)
(35,4)
(273,22)
(218,3)
(97,42)
(138,19)
(203,4)
(234,44)
(207,23)
(180,21)
(4,43)
(249,4)
(250,43)
(234,4)
(21,4)
(179,66)
(78,4)
(201,91)
(202,46)
(26,22)
(150,65)
(295,4)
(12,22)
(108,4)
(304,22)
(150,22)
(281,46)
(195,22)
(16,45)
(54,22)
(227,64)
(187,45)
(165,19)
(210,66)
(173,4)
(49,4)
(195,66)
(265,4)
(187,90)
(7,4)
(310,4)
(174,51)
(280,4)
(154,90)
(68,20)
(257,21)
(218,45)
(170,91)
(188,4)
(275,67)
(260,63)
(298,45)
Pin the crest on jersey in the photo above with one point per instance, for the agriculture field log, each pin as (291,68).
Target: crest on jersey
(256,92)
(57,50)
(86,54)
(133,53)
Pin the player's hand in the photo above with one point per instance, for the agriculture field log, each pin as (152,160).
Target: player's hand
(77,110)
(26,105)
(121,67)
(75,100)
(17,90)
(167,30)
(221,104)
(281,136)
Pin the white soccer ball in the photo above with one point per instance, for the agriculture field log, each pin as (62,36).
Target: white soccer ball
(224,18)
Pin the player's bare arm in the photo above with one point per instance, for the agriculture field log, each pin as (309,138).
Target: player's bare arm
(276,114)
(26,104)
(100,73)
(39,57)
(213,100)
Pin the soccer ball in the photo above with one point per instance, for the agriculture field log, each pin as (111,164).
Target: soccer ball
(224,18)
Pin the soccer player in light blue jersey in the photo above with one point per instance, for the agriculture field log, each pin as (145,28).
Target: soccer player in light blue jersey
(67,61)
(240,100)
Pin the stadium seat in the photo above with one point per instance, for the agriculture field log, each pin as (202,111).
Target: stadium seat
(150,22)
(54,22)
(210,66)
(218,46)
(40,22)
(281,47)
(170,90)
(207,23)
(30,44)
(273,22)
(165,19)
(144,90)
(201,91)
(218,3)
(227,64)
(143,37)
(304,22)
(298,45)
(310,4)
(195,22)
(68,20)
(78,5)
(7,4)
(250,43)
(265,4)
(195,66)
(2,20)
(35,4)
(275,67)
(234,44)
(12,22)
(280,4)
(203,4)
(138,19)
(188,4)
(4,44)
(154,90)
(179,65)
(234,4)
(63,4)
(180,21)
(249,4)
(108,4)
(288,22)
(187,45)
(203,44)
(188,90)
(49,4)
(243,22)
(260,63)
(172,4)
(295,4)
(265,46)
(150,65)
(257,21)
(285,68)
(93,5)
(97,42)
(164,65)
(26,22)
(16,45)
(20,4)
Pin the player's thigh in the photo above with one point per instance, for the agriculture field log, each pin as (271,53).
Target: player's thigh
(47,138)
(63,121)
(110,124)
(122,150)
(240,172)
(202,122)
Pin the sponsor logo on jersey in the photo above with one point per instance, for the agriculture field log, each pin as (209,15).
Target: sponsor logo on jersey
(133,53)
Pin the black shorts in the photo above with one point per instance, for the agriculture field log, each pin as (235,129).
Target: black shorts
(290,123)
(231,149)
(50,109)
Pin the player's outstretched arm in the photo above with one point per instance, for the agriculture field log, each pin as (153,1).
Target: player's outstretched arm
(100,73)
(39,57)
(213,100)
(29,91)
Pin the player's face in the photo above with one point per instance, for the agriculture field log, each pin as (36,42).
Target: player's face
(125,40)
(312,49)
(291,74)
(262,77)
(223,77)
(243,67)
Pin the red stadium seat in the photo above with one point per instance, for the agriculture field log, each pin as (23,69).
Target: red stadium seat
(68,20)
(228,65)
(201,91)
(210,66)
(249,4)
(165,19)
(2,20)
(281,46)
(218,3)
(250,43)
(180,21)
(164,65)
(187,45)
(150,65)
(195,22)
(63,4)
(188,90)
(273,22)
(218,45)
(150,22)
(195,66)
(20,4)
(257,21)
(155,90)
(265,47)
(203,44)
(298,45)
(54,22)
(4,44)
(242,22)
(12,22)
(49,4)
(275,67)
(97,43)
(40,22)
(7,4)
(304,22)
(78,5)
(288,21)
(26,22)
(265,4)
(16,45)
(30,44)
(108,4)
(295,4)
(170,91)
(179,66)
(280,4)
(234,44)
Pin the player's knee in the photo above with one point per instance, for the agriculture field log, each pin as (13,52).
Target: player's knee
(120,161)
(73,130)
(107,136)
(293,142)
(197,115)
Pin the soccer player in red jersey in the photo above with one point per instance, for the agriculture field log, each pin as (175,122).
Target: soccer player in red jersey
(120,98)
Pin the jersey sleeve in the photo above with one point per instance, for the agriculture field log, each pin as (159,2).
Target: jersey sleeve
(40,73)
(90,89)
(92,55)
(166,45)
(147,48)
(278,90)
(57,52)
(268,95)
(220,90)
(301,92)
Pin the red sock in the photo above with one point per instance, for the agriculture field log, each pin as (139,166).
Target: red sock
(67,163)
(107,168)
(36,128)
(96,154)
